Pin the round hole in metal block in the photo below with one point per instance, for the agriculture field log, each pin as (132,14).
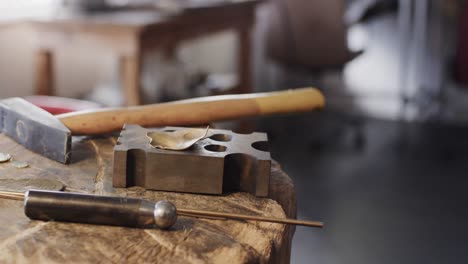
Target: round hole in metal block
(221,137)
(215,148)
(242,132)
(261,145)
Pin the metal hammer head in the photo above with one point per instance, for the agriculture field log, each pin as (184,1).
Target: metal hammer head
(35,129)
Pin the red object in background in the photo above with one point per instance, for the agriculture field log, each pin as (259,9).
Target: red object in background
(60,105)
(461,70)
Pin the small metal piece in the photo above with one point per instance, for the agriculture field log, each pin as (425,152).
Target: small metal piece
(4,157)
(165,214)
(22,185)
(19,164)
(176,139)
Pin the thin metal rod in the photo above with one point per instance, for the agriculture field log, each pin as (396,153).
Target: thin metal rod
(205,214)
(12,195)
(200,213)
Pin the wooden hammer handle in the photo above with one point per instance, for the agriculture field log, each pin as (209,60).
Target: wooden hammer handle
(195,111)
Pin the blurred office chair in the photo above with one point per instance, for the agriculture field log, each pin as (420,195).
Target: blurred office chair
(309,36)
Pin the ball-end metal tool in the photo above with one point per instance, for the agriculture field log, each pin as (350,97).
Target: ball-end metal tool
(119,211)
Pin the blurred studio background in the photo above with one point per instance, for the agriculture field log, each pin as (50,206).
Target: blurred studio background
(384,165)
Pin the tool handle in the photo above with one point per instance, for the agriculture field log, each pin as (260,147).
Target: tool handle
(92,209)
(195,111)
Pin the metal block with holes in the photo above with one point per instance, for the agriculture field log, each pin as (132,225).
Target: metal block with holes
(222,162)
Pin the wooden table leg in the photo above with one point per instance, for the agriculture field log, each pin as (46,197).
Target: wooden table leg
(131,78)
(44,73)
(244,60)
(244,69)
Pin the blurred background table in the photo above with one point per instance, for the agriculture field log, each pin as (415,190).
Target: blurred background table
(131,33)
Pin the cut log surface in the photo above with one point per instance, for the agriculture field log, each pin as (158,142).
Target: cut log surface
(190,240)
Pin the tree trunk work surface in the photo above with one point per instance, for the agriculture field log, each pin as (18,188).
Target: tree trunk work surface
(190,240)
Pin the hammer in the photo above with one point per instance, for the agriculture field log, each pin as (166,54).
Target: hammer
(50,135)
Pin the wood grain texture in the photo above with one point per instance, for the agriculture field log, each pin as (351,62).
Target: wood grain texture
(191,240)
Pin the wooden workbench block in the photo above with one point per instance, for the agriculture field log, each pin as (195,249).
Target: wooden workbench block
(191,240)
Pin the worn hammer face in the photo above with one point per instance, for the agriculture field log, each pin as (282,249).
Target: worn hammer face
(35,128)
